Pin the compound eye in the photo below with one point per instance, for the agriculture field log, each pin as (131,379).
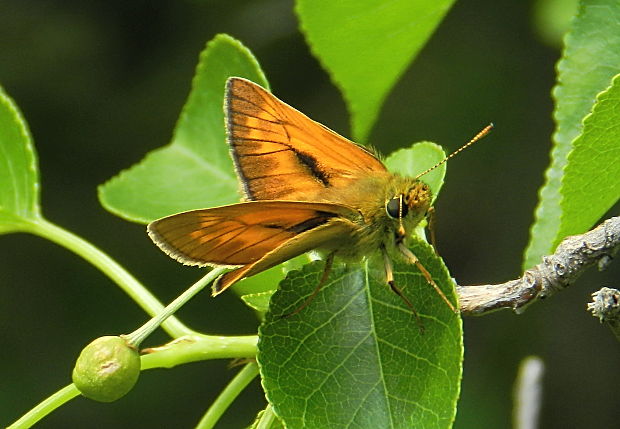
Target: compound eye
(396,208)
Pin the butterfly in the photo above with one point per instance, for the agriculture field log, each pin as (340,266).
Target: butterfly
(305,188)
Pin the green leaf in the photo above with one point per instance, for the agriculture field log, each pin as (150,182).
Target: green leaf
(552,19)
(416,159)
(258,301)
(591,58)
(591,183)
(251,289)
(195,169)
(19,174)
(367,45)
(355,356)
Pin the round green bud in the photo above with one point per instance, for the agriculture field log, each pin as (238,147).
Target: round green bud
(107,369)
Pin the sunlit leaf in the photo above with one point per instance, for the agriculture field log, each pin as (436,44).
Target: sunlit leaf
(590,59)
(19,174)
(366,45)
(195,169)
(591,183)
(355,356)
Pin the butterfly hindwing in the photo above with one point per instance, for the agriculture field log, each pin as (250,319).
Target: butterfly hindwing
(333,231)
(240,234)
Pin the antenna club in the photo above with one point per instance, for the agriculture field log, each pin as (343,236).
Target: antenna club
(486,130)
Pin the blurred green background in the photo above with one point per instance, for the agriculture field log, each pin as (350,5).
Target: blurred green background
(102,83)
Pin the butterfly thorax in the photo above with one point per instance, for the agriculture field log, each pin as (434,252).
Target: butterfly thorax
(379,224)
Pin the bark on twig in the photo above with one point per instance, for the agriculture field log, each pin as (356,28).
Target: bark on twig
(556,272)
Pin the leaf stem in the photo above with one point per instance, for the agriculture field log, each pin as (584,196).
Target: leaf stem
(191,348)
(109,267)
(228,395)
(198,347)
(267,419)
(137,336)
(45,407)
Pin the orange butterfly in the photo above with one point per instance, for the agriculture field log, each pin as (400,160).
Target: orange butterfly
(306,188)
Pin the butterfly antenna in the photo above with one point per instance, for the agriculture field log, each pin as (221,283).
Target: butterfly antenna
(486,130)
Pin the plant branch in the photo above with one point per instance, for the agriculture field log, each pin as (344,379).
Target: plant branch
(199,347)
(136,337)
(556,272)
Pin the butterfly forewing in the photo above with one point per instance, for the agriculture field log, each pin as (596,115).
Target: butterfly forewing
(281,154)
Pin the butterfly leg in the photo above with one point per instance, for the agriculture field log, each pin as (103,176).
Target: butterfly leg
(389,278)
(329,261)
(413,259)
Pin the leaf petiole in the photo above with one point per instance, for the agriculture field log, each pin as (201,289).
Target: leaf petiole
(145,330)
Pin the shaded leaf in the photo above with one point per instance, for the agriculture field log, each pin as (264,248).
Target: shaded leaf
(355,356)
(591,183)
(367,45)
(19,174)
(266,282)
(552,19)
(195,169)
(591,58)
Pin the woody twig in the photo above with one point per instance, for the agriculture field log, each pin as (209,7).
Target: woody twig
(556,272)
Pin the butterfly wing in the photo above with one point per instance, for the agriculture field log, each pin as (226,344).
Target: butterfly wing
(330,233)
(281,154)
(252,236)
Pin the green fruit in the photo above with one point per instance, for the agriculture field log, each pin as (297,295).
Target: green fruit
(107,369)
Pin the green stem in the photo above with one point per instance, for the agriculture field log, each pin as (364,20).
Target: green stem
(267,419)
(109,267)
(198,347)
(137,336)
(228,395)
(48,405)
(191,348)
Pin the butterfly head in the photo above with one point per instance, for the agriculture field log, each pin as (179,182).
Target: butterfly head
(410,207)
